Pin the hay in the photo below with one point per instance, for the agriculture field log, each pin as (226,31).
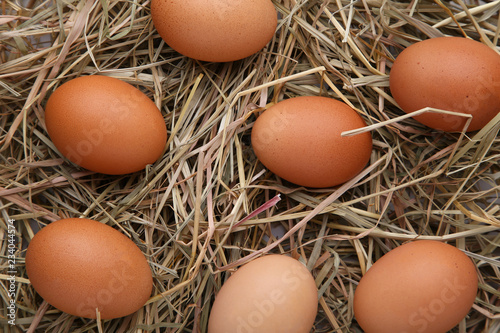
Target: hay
(207,206)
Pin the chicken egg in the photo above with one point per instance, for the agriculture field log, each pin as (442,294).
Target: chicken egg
(271,294)
(420,287)
(218,30)
(299,139)
(448,73)
(79,266)
(105,125)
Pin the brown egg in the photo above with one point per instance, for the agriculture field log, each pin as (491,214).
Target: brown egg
(419,287)
(105,125)
(218,30)
(299,139)
(271,294)
(80,265)
(448,73)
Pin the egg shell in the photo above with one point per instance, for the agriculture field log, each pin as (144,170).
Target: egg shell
(78,265)
(448,73)
(271,294)
(299,139)
(218,30)
(420,287)
(105,125)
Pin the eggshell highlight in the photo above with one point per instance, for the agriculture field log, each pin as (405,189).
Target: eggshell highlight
(105,125)
(271,294)
(219,30)
(299,139)
(448,73)
(419,287)
(78,265)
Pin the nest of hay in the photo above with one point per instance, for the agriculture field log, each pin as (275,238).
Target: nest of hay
(208,206)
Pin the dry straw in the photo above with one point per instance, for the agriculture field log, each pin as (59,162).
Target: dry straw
(208,206)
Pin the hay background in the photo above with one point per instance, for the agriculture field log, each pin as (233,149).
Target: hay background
(194,212)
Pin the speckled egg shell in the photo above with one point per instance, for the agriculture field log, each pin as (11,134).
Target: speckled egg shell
(420,287)
(299,139)
(80,265)
(448,73)
(218,31)
(105,125)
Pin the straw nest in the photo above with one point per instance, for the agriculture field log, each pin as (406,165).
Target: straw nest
(208,206)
